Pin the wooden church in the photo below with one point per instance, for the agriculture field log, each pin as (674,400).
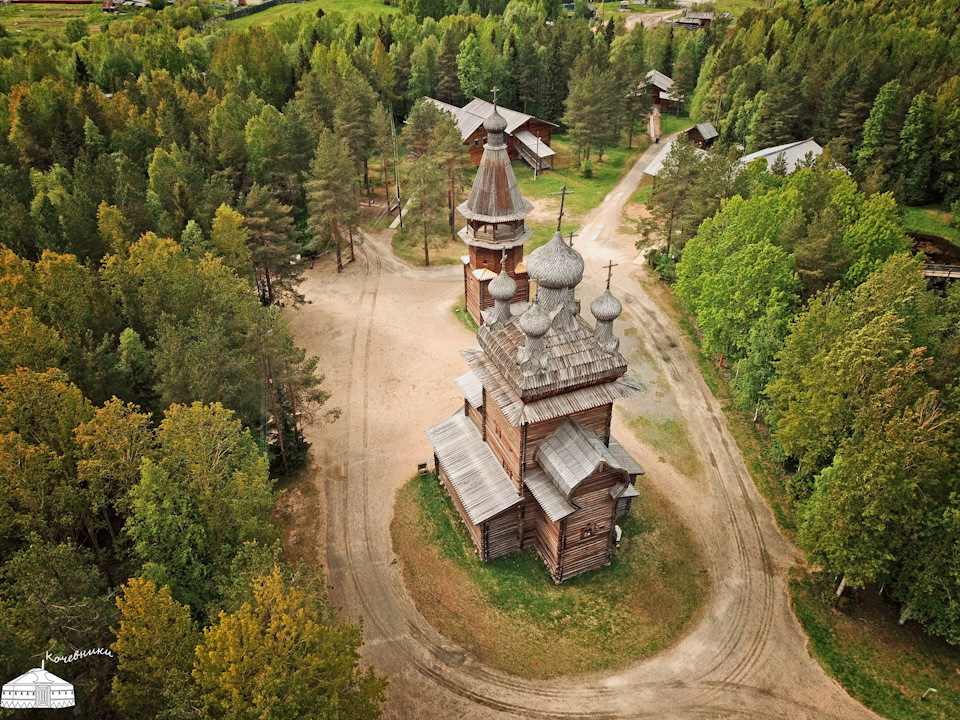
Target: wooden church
(529,460)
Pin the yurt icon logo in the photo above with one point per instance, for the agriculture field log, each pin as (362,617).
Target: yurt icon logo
(37,688)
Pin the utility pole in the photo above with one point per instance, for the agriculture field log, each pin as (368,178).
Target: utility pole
(396,166)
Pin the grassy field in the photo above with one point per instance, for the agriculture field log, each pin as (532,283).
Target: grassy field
(930,220)
(603,619)
(466,319)
(347,7)
(670,124)
(886,667)
(25,21)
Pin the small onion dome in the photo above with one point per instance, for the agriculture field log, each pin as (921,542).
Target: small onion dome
(502,287)
(495,123)
(606,308)
(534,322)
(555,265)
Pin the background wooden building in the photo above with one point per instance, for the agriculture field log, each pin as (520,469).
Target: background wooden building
(529,460)
(527,137)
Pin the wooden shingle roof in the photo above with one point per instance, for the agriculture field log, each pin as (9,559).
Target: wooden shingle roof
(572,454)
(517,412)
(472,389)
(478,478)
(573,359)
(555,505)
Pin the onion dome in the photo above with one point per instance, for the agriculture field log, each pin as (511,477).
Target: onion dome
(534,322)
(502,287)
(555,265)
(606,308)
(495,123)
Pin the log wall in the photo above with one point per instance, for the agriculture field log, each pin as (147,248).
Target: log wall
(474,414)
(587,537)
(474,531)
(597,419)
(504,439)
(547,540)
(502,534)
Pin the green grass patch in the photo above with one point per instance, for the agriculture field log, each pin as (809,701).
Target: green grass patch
(670,124)
(508,610)
(930,220)
(346,7)
(736,7)
(670,436)
(465,318)
(644,191)
(883,665)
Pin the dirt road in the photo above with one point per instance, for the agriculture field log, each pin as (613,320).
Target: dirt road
(388,343)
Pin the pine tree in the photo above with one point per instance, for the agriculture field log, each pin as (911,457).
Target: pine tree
(332,203)
(273,246)
(915,160)
(424,212)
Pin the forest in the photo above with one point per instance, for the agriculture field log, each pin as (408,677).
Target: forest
(807,289)
(165,180)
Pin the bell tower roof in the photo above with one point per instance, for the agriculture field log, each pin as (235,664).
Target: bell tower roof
(495,196)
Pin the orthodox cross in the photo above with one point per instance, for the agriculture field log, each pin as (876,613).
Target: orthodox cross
(570,236)
(494,90)
(503,260)
(610,268)
(563,194)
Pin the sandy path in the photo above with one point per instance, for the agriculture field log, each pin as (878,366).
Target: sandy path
(388,343)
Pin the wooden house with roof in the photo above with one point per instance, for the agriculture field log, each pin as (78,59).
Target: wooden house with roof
(661,91)
(527,137)
(495,231)
(529,460)
(703,135)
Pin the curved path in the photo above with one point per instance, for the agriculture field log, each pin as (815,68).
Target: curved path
(388,343)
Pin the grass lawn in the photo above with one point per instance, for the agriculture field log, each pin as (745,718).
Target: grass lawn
(347,7)
(930,220)
(25,21)
(670,124)
(883,665)
(466,319)
(736,7)
(601,620)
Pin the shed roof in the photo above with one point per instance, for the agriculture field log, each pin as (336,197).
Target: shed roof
(540,149)
(572,454)
(794,153)
(478,478)
(472,388)
(624,458)
(708,15)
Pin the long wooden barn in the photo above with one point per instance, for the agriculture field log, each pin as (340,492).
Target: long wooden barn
(529,460)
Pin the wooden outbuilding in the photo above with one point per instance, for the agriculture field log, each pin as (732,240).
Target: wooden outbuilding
(703,135)
(527,137)
(662,96)
(529,460)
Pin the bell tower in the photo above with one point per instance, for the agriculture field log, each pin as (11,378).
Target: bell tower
(495,231)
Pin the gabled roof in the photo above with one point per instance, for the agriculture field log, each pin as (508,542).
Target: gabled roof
(572,454)
(478,478)
(467,122)
(707,130)
(698,15)
(540,149)
(656,165)
(793,153)
(658,79)
(479,106)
